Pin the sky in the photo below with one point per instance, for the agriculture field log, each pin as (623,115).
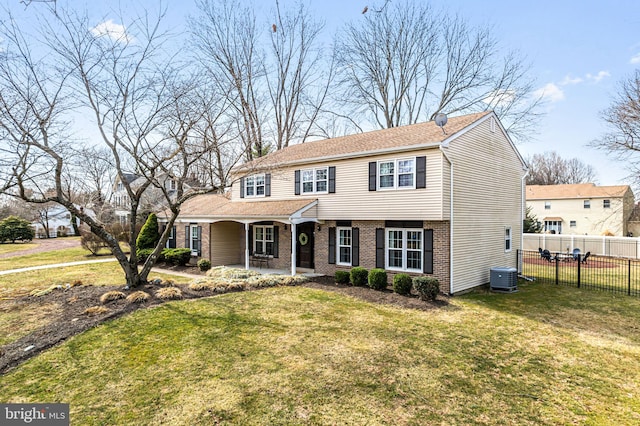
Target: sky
(579,52)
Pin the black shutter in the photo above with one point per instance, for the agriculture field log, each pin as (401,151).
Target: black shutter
(267,185)
(332,245)
(355,247)
(373,171)
(242,187)
(421,172)
(332,179)
(187,239)
(428,252)
(172,240)
(379,248)
(276,240)
(199,243)
(250,239)
(297,182)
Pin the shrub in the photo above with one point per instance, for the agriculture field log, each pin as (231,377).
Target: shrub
(149,235)
(110,296)
(143,254)
(95,310)
(178,256)
(359,276)
(90,241)
(204,264)
(138,297)
(377,279)
(15,229)
(402,284)
(427,287)
(168,293)
(342,277)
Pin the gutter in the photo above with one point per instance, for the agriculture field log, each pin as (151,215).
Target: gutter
(450,218)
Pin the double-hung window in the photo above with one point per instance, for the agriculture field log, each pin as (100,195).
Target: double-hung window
(404,249)
(507,238)
(254,186)
(263,240)
(606,204)
(397,174)
(315,180)
(344,246)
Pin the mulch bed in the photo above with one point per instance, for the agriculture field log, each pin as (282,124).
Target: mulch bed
(75,300)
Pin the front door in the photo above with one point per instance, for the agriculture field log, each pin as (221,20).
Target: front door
(304,245)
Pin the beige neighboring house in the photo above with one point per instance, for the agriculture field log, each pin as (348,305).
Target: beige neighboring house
(417,199)
(582,209)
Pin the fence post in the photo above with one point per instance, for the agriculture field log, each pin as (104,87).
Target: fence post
(579,262)
(629,279)
(557,268)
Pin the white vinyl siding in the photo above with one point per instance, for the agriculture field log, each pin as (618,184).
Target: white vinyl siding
(353,200)
(494,191)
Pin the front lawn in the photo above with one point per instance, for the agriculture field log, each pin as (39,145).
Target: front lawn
(11,248)
(294,355)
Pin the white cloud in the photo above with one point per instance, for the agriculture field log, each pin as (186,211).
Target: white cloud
(114,31)
(635,59)
(551,92)
(596,78)
(500,97)
(570,80)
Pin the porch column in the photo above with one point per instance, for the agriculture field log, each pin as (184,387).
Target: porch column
(246,246)
(294,244)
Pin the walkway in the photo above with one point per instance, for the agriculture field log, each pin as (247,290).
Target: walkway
(56,265)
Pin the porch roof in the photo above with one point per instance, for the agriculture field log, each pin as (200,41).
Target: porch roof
(215,207)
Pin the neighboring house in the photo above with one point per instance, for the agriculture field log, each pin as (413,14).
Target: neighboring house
(409,199)
(57,220)
(582,209)
(152,199)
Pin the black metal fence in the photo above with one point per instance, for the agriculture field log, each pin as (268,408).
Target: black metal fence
(613,274)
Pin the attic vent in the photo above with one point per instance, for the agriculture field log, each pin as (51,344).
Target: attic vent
(492,124)
(504,279)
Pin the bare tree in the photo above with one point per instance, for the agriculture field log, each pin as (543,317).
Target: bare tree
(551,169)
(276,86)
(407,63)
(298,83)
(130,88)
(622,140)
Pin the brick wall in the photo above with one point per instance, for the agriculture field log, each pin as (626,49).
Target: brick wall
(206,238)
(441,252)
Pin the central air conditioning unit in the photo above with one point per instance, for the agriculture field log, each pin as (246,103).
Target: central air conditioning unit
(504,279)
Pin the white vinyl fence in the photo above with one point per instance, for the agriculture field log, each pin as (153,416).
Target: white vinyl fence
(597,245)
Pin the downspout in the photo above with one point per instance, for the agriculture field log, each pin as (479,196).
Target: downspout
(450,218)
(523,214)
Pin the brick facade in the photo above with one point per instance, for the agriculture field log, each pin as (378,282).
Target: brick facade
(441,249)
(205,243)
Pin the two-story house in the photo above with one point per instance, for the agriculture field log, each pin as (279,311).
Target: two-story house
(421,199)
(582,209)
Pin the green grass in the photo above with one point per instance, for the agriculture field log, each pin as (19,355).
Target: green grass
(11,248)
(544,355)
(47,258)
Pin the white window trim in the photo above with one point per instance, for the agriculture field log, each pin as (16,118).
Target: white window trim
(193,231)
(396,174)
(264,239)
(255,186)
(314,181)
(586,204)
(338,246)
(508,236)
(404,249)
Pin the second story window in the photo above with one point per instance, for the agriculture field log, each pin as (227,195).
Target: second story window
(396,174)
(315,180)
(606,204)
(254,186)
(547,205)
(171,184)
(587,204)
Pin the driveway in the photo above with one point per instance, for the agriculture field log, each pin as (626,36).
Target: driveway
(45,244)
